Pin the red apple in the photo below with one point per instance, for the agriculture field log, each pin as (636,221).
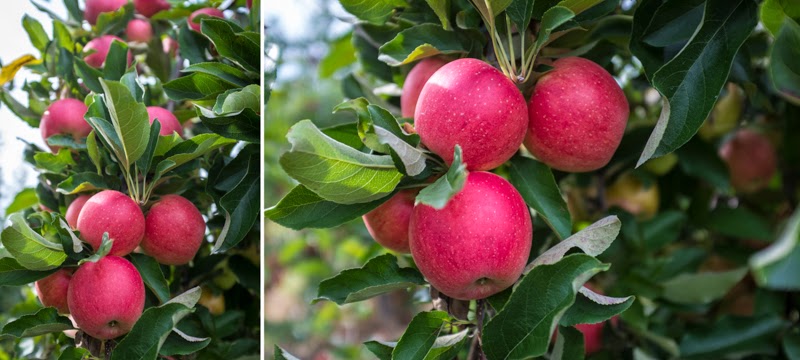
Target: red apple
(106,297)
(388,223)
(169,123)
(478,244)
(751,160)
(64,116)
(169,45)
(95,7)
(113,212)
(415,80)
(150,7)
(469,103)
(174,230)
(101,46)
(205,11)
(74,209)
(249,4)
(139,30)
(52,290)
(577,116)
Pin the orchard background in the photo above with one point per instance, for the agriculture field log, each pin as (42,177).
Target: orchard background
(198,302)
(701,245)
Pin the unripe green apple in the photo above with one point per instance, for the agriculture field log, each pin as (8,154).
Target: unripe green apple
(174,230)
(52,290)
(415,80)
(388,223)
(215,303)
(64,117)
(113,212)
(94,8)
(751,160)
(101,46)
(74,209)
(577,114)
(106,297)
(204,11)
(139,30)
(661,165)
(631,194)
(478,244)
(467,102)
(149,8)
(725,115)
(169,123)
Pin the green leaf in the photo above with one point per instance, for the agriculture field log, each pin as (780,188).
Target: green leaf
(446,347)
(178,343)
(237,46)
(35,32)
(379,275)
(520,12)
(691,82)
(73,353)
(116,61)
(189,150)
(244,125)
(791,345)
(784,69)
(419,337)
(731,335)
(281,354)
(236,100)
(152,275)
(374,11)
(101,251)
(24,199)
(130,120)
(776,267)
(154,326)
(592,240)
(21,111)
(242,203)
(146,161)
(569,344)
(442,9)
(740,223)
(438,194)
(428,40)
(551,19)
(522,331)
(302,208)
(14,274)
(197,86)
(535,182)
(341,54)
(334,171)
(82,182)
(114,21)
(44,321)
(30,249)
(223,71)
(699,159)
(657,26)
(191,44)
(775,12)
(593,308)
(90,76)
(701,288)
(54,163)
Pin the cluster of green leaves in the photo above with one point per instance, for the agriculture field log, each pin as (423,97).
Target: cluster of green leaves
(214,77)
(685,300)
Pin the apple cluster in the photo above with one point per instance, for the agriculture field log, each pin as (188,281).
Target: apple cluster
(106,297)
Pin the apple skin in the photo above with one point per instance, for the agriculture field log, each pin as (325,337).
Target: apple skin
(74,210)
(149,8)
(52,290)
(101,45)
(577,115)
(388,223)
(470,103)
(751,160)
(631,194)
(478,244)
(106,297)
(64,116)
(725,115)
(249,4)
(139,30)
(215,303)
(415,80)
(204,11)
(113,212)
(94,8)
(169,123)
(174,230)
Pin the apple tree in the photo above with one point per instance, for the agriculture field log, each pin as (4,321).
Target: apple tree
(561,179)
(141,236)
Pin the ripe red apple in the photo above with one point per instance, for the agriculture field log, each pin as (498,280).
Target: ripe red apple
(101,46)
(169,123)
(95,7)
(478,244)
(139,30)
(150,7)
(174,230)
(249,4)
(388,223)
(52,290)
(74,209)
(106,297)
(64,116)
(751,160)
(415,80)
(577,116)
(204,11)
(113,212)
